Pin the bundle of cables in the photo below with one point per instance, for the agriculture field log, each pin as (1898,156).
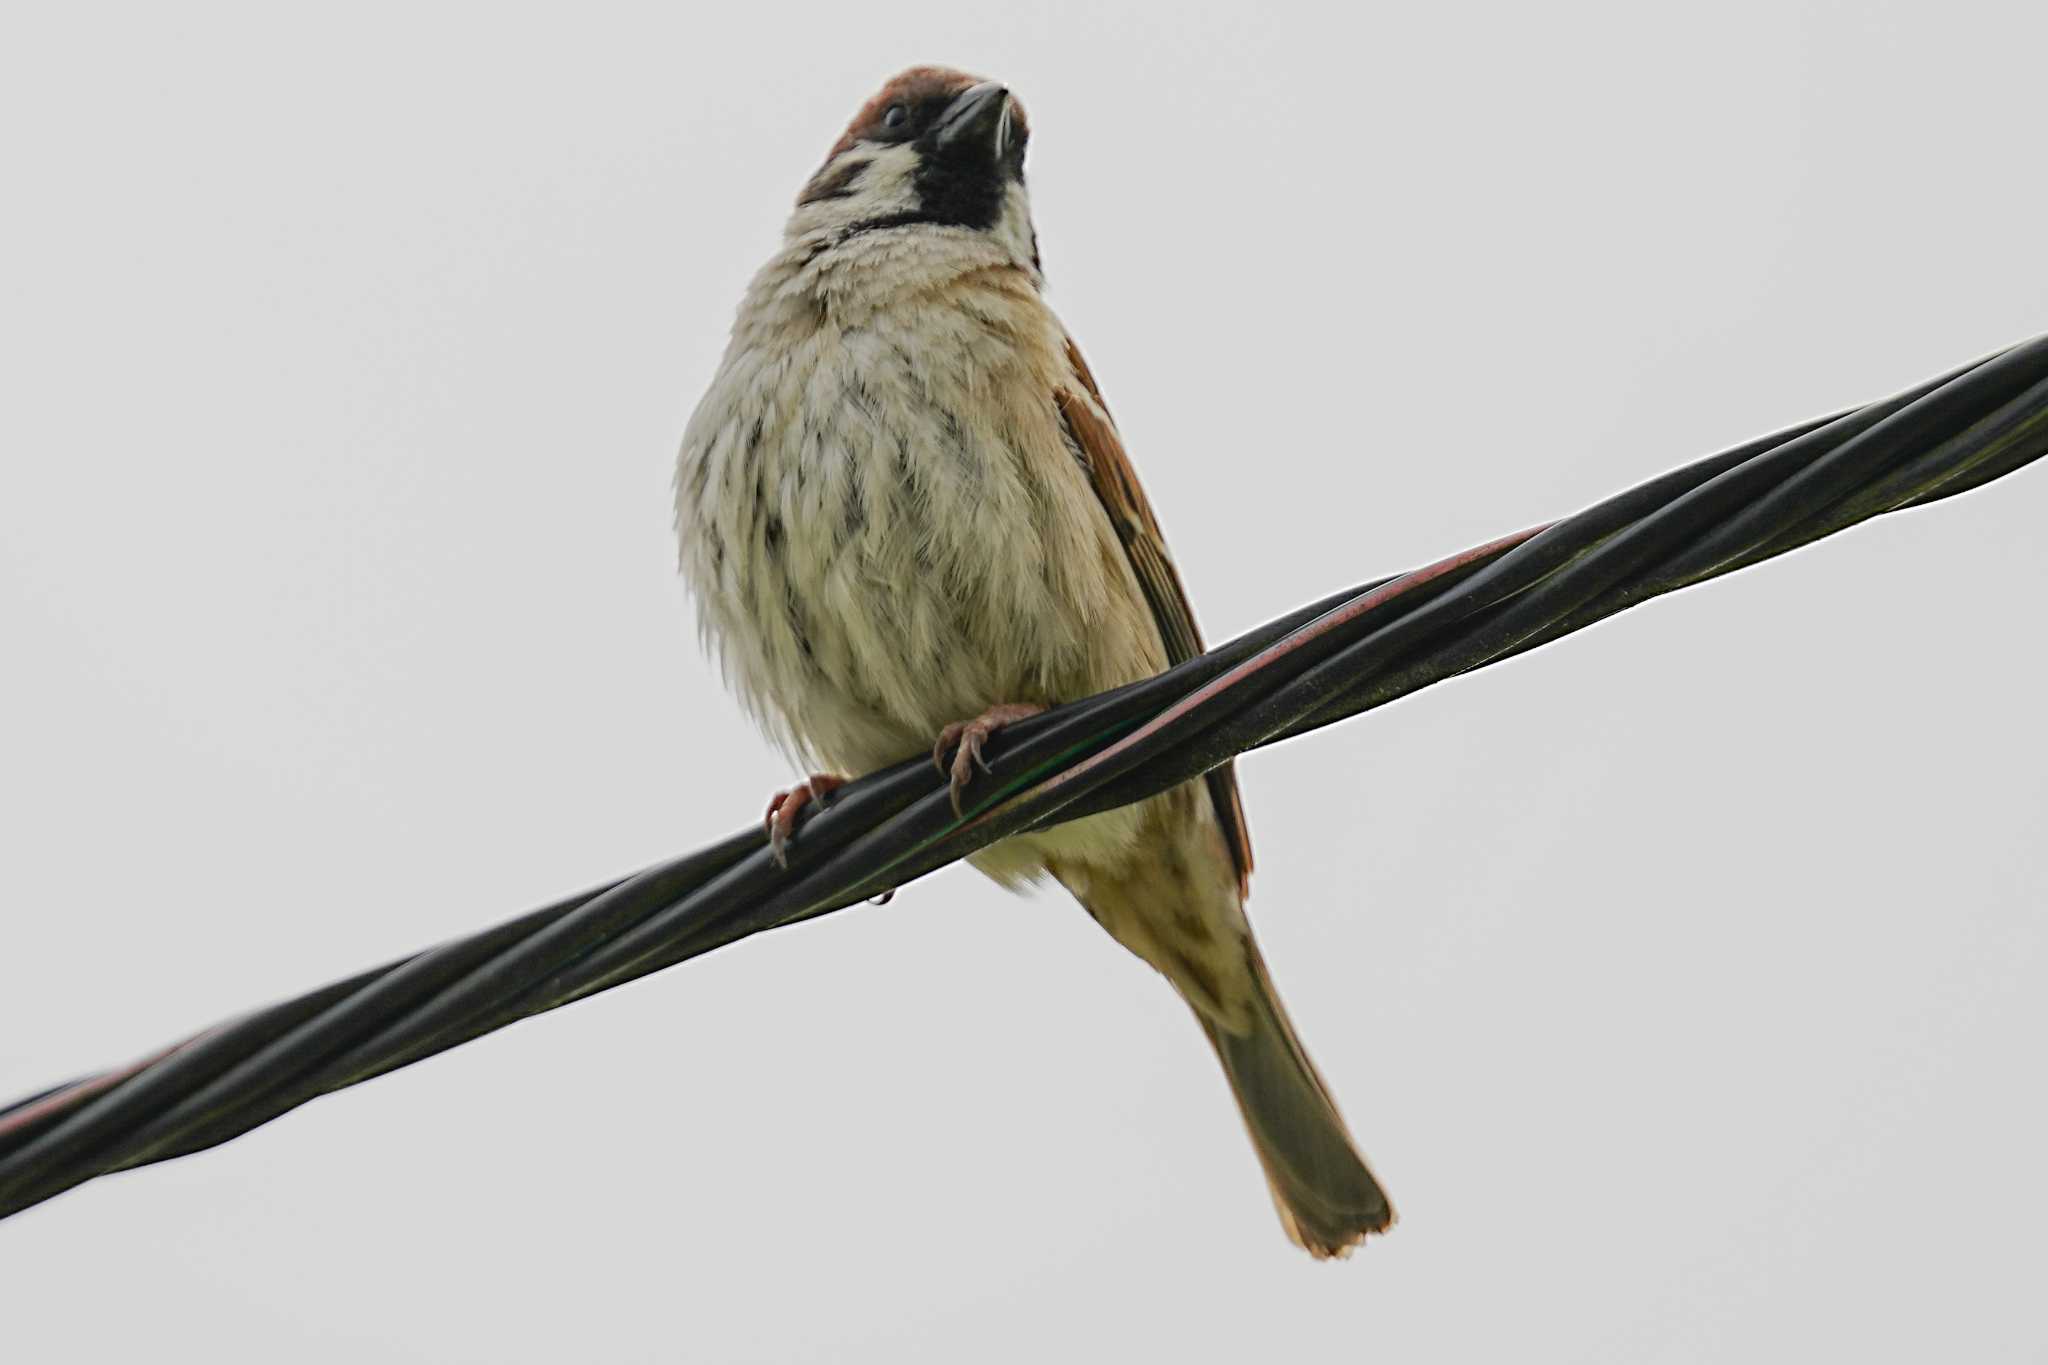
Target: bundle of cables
(1348,653)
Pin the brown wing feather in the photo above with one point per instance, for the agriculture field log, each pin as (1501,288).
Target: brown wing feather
(1101,451)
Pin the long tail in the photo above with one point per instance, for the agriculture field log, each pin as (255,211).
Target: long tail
(1326,1195)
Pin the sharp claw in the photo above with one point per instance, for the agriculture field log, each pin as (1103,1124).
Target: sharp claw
(783,810)
(778,827)
(963,771)
(970,736)
(782,823)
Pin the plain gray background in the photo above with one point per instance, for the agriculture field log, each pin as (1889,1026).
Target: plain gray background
(1683,980)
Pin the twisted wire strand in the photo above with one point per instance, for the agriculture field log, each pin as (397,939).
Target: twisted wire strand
(1325,662)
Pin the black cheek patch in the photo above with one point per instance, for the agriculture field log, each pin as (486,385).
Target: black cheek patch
(834,182)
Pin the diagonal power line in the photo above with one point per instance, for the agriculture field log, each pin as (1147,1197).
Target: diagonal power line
(1320,664)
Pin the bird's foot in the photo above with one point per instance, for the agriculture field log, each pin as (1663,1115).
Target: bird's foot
(785,807)
(963,739)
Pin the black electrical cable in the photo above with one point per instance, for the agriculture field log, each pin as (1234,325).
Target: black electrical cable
(1327,661)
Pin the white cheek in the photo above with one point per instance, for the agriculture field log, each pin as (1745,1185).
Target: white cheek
(1014,227)
(885,187)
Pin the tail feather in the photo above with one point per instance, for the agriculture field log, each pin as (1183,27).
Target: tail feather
(1182,911)
(1327,1196)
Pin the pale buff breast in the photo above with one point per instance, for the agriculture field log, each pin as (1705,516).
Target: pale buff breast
(883,522)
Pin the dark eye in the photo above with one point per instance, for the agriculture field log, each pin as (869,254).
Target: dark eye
(897,116)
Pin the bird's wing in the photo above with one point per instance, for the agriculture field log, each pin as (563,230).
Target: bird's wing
(1101,453)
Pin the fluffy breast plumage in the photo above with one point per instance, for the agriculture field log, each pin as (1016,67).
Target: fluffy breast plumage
(886,530)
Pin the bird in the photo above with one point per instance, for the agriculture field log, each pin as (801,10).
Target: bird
(908,519)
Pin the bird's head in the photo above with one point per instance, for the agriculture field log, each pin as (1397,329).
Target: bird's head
(934,149)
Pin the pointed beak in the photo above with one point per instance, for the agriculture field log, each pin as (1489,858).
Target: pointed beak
(977,119)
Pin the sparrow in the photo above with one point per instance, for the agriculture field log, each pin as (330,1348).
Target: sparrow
(908,520)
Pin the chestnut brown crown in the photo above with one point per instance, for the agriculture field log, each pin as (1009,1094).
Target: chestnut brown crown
(923,90)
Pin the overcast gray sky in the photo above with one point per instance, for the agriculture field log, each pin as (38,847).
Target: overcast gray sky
(1683,980)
